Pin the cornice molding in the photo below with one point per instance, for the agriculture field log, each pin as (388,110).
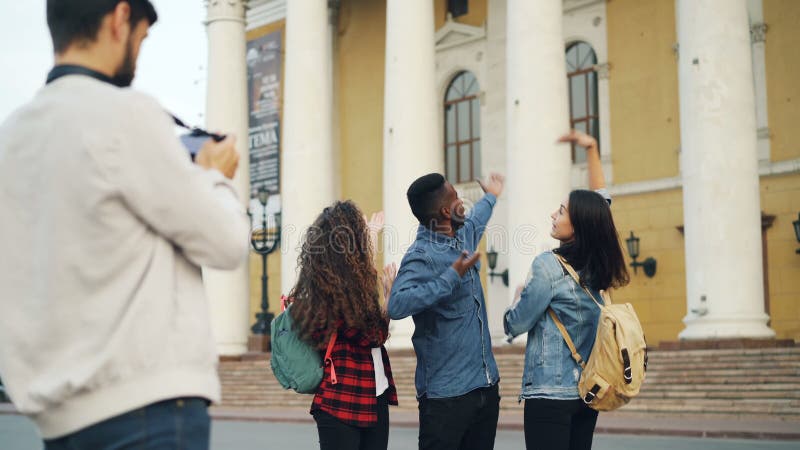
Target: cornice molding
(453,34)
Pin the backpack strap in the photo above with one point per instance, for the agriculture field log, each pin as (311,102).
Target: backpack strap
(329,360)
(284,303)
(577,279)
(575,355)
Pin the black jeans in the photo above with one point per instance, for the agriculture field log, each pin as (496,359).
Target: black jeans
(558,424)
(337,435)
(178,424)
(467,422)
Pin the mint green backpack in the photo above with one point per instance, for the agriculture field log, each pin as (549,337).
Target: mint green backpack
(296,364)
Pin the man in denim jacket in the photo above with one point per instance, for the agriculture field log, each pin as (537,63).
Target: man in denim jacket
(439,285)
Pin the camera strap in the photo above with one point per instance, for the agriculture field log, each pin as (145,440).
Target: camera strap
(63,70)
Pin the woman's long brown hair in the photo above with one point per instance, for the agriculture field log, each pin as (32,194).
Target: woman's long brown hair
(596,250)
(337,284)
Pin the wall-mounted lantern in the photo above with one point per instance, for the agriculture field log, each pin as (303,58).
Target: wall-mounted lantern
(491,257)
(649,264)
(796,224)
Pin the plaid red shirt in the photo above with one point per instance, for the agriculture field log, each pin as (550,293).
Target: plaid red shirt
(353,399)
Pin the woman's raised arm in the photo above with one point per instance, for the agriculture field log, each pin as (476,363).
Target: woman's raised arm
(596,178)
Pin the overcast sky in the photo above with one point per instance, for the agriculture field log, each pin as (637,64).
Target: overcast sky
(171,66)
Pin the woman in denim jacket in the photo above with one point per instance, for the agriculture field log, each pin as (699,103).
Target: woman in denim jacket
(555,416)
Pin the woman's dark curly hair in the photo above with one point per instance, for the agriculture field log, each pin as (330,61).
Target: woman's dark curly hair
(337,284)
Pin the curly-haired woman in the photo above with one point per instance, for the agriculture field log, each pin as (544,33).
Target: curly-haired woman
(337,293)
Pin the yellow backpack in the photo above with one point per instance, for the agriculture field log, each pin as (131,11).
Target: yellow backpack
(616,367)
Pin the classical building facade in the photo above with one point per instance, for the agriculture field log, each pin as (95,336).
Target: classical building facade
(692,101)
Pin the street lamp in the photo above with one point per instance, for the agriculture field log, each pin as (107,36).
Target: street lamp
(265,240)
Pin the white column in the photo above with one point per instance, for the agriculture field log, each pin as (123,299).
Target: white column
(758,32)
(493,144)
(410,147)
(538,174)
(226,110)
(307,171)
(724,286)
(604,103)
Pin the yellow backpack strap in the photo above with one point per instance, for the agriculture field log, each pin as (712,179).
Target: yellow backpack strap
(577,279)
(606,297)
(575,355)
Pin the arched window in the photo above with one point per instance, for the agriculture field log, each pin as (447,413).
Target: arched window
(462,129)
(582,82)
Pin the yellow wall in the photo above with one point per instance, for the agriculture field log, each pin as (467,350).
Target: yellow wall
(783,72)
(273,260)
(476,15)
(360,67)
(645,136)
(359,77)
(660,301)
(643,87)
(645,133)
(267,29)
(780,196)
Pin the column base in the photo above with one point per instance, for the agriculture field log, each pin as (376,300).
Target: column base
(400,332)
(258,343)
(723,344)
(500,340)
(231,349)
(249,356)
(714,328)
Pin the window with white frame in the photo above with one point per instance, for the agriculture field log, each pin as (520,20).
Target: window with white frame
(582,84)
(462,129)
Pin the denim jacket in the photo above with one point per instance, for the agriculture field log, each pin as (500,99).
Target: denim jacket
(550,372)
(451,336)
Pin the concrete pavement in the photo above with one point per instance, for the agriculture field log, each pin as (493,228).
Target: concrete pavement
(611,424)
(696,426)
(19,433)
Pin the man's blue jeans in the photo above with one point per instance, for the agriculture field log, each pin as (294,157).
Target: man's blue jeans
(177,424)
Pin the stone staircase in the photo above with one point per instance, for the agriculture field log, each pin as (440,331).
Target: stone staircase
(740,382)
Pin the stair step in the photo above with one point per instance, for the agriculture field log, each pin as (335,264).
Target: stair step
(691,407)
(761,382)
(665,380)
(720,394)
(789,387)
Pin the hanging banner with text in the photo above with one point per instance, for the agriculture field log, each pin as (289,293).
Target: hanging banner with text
(263,91)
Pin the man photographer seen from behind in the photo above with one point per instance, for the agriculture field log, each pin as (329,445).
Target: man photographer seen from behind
(105,339)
